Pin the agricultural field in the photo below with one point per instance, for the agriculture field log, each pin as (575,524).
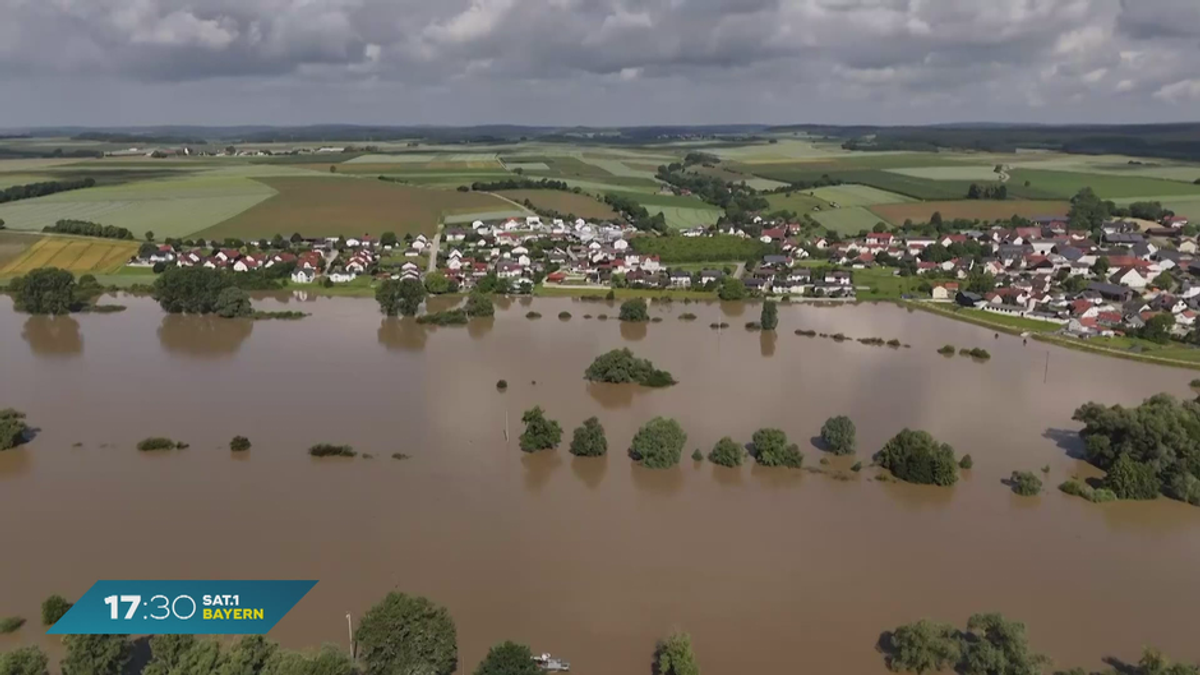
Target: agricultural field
(797,202)
(979,173)
(1064,184)
(617,167)
(1188,206)
(13,244)
(514,212)
(971,209)
(75,254)
(561,167)
(658,199)
(858,195)
(170,208)
(848,220)
(329,206)
(8,180)
(581,206)
(682,218)
(730,175)
(36,164)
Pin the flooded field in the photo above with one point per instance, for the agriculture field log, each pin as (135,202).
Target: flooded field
(592,559)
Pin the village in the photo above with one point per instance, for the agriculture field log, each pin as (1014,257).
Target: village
(1103,284)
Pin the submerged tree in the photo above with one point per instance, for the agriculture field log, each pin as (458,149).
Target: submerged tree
(508,658)
(674,656)
(728,453)
(922,647)
(771,448)
(770,316)
(13,429)
(48,290)
(634,310)
(839,435)
(589,439)
(400,297)
(540,433)
(916,457)
(658,444)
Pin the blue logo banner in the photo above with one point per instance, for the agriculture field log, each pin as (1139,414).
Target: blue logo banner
(181,607)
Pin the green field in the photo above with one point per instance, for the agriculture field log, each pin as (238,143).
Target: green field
(329,206)
(1183,205)
(1064,184)
(970,209)
(858,195)
(848,220)
(655,199)
(979,173)
(170,207)
(682,218)
(799,202)
(566,203)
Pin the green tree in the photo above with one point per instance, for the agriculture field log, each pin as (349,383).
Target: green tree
(1154,663)
(634,310)
(658,444)
(328,661)
(53,609)
(480,305)
(1087,212)
(769,319)
(13,429)
(1132,480)
(839,435)
(508,658)
(190,289)
(771,448)
(96,654)
(922,647)
(146,250)
(994,645)
(167,653)
(407,634)
(731,288)
(388,239)
(589,439)
(620,366)
(673,656)
(437,283)
(149,235)
(916,457)
(24,661)
(48,290)
(247,656)
(727,452)
(1158,328)
(540,433)
(1025,483)
(1100,267)
(233,302)
(402,296)
(239,444)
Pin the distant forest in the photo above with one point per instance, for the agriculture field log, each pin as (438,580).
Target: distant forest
(1168,141)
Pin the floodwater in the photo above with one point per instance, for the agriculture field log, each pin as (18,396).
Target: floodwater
(591,559)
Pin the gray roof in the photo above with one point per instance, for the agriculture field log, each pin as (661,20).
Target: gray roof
(1109,289)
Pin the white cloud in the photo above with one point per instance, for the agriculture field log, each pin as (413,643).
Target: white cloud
(1176,92)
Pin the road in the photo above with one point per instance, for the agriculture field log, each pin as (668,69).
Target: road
(434,246)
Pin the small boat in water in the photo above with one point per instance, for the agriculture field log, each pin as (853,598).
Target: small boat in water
(551,664)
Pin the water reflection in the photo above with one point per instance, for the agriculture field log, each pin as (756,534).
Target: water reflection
(203,336)
(611,396)
(766,343)
(590,470)
(502,301)
(15,462)
(661,482)
(441,303)
(538,468)
(733,309)
(404,335)
(633,330)
(478,328)
(53,336)
(727,476)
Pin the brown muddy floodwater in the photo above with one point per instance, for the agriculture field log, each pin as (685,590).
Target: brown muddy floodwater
(769,570)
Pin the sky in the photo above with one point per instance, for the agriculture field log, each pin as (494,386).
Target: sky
(597,62)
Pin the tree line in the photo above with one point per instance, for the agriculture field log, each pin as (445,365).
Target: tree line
(523,184)
(88,229)
(31,190)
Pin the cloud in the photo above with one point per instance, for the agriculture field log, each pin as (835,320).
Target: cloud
(1176,92)
(625,60)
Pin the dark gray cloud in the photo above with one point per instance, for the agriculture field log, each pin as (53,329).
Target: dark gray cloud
(598,61)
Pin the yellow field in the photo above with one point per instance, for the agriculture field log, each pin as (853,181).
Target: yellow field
(81,256)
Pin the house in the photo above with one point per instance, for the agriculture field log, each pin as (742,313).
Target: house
(883,239)
(342,277)
(967,299)
(508,270)
(680,279)
(1175,222)
(707,276)
(454,234)
(777,261)
(757,284)
(945,291)
(773,234)
(837,278)
(303,276)
(1111,291)
(651,264)
(246,264)
(1129,276)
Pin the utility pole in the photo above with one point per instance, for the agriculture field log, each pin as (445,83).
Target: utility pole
(350,630)
(1046,374)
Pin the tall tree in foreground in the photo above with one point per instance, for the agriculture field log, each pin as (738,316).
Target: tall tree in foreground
(508,658)
(96,654)
(24,661)
(407,634)
(921,647)
(403,296)
(48,290)
(673,656)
